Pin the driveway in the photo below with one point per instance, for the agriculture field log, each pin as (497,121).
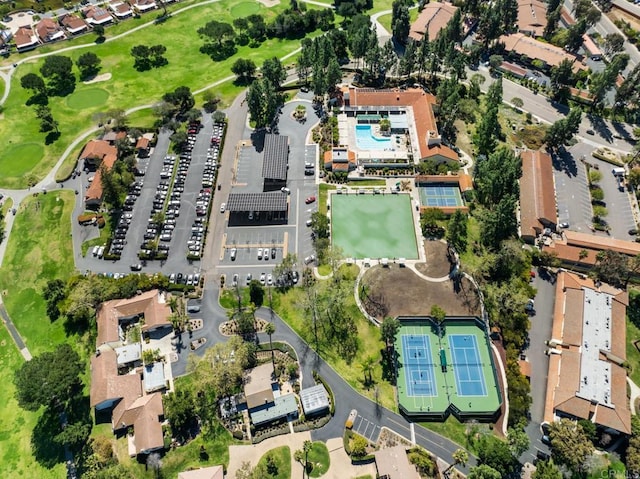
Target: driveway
(572,191)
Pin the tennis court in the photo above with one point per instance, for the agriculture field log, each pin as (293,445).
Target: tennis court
(467,367)
(417,368)
(440,195)
(373,226)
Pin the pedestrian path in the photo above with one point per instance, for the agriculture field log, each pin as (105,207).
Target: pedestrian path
(635,394)
(14,332)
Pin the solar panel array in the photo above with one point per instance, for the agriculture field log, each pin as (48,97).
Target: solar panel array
(276,156)
(273,201)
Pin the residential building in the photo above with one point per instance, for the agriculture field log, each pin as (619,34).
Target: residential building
(73,24)
(393,463)
(538,208)
(143,147)
(49,31)
(433,18)
(96,15)
(95,154)
(587,352)
(580,250)
(25,39)
(144,5)
(114,316)
(523,45)
(5,37)
(532,17)
(590,47)
(120,9)
(263,397)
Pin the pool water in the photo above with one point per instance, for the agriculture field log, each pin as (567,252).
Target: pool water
(366,141)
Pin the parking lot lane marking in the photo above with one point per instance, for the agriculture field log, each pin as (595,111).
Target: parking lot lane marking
(223,246)
(285,244)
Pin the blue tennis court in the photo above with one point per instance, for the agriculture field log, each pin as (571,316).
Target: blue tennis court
(467,367)
(433,195)
(418,365)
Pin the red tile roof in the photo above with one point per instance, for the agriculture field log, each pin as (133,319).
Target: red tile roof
(432,19)
(142,143)
(532,17)
(537,193)
(522,44)
(48,30)
(73,23)
(25,37)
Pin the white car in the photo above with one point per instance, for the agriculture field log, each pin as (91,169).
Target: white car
(262,278)
(269,279)
(223,207)
(259,253)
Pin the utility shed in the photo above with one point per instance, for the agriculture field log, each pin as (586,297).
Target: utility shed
(314,400)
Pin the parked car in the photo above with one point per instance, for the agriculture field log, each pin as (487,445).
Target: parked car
(310,199)
(233,254)
(259,253)
(136,267)
(223,207)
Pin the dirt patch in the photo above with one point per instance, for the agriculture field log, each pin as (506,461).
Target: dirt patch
(618,14)
(98,78)
(396,291)
(437,264)
(269,3)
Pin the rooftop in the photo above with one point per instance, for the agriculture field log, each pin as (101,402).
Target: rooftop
(153,377)
(532,17)
(276,156)
(259,385)
(550,54)
(129,353)
(314,399)
(537,193)
(431,20)
(282,406)
(393,463)
(271,201)
(213,472)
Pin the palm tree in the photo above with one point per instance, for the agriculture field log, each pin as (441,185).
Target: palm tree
(582,255)
(269,329)
(306,447)
(367,367)
(460,456)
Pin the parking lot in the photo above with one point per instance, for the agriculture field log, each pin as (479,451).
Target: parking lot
(368,429)
(174,189)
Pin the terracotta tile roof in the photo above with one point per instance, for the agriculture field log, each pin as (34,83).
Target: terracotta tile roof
(581,94)
(113,136)
(94,192)
(151,304)
(513,69)
(142,143)
(48,30)
(565,386)
(522,44)
(566,17)
(601,243)
(73,23)
(213,472)
(432,19)
(98,149)
(96,15)
(571,254)
(590,46)
(25,37)
(441,150)
(537,193)
(107,385)
(120,8)
(420,102)
(464,181)
(532,17)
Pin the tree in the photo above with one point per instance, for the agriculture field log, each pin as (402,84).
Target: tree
(35,83)
(389,329)
(57,69)
(141,57)
(155,463)
(181,99)
(563,130)
(457,231)
(53,293)
(460,456)
(244,69)
(273,72)
(263,102)
(517,102)
(546,470)
(400,21)
(179,409)
(437,314)
(50,379)
(496,454)
(483,472)
(359,445)
(219,40)
(211,101)
(570,445)
(74,435)
(99,31)
(575,36)
(269,329)
(284,271)
(517,439)
(368,365)
(47,122)
(89,65)
(256,293)
(613,43)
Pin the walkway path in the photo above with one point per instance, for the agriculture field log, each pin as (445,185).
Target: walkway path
(635,394)
(14,332)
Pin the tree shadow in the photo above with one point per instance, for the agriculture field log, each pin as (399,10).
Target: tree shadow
(51,137)
(243,81)
(257,139)
(601,127)
(388,363)
(45,450)
(564,161)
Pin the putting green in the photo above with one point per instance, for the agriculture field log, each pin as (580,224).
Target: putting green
(87,98)
(244,9)
(21,159)
(373,226)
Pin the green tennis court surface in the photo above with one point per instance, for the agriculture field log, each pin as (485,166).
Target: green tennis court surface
(450,372)
(440,195)
(373,226)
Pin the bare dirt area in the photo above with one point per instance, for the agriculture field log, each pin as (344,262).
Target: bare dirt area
(437,264)
(98,78)
(395,291)
(618,14)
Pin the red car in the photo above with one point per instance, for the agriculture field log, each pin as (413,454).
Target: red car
(311,199)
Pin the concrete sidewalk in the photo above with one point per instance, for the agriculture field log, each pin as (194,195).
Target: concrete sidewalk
(340,466)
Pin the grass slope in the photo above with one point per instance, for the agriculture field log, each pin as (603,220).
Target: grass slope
(282,459)
(39,249)
(127,87)
(319,459)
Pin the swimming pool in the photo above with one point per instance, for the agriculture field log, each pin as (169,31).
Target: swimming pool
(366,141)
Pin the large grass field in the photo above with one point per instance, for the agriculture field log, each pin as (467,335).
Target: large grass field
(39,249)
(127,87)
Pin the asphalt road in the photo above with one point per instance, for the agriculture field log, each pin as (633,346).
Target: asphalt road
(572,191)
(346,398)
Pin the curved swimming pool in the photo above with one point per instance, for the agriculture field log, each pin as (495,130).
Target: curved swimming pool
(365,139)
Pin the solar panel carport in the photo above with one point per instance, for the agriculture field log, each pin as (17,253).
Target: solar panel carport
(273,201)
(276,157)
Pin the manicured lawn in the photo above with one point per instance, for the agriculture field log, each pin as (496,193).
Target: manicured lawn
(6,206)
(323,194)
(39,250)
(71,161)
(633,356)
(369,343)
(2,87)
(21,158)
(89,98)
(16,424)
(127,87)
(456,431)
(357,183)
(385,20)
(282,460)
(244,9)
(319,459)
